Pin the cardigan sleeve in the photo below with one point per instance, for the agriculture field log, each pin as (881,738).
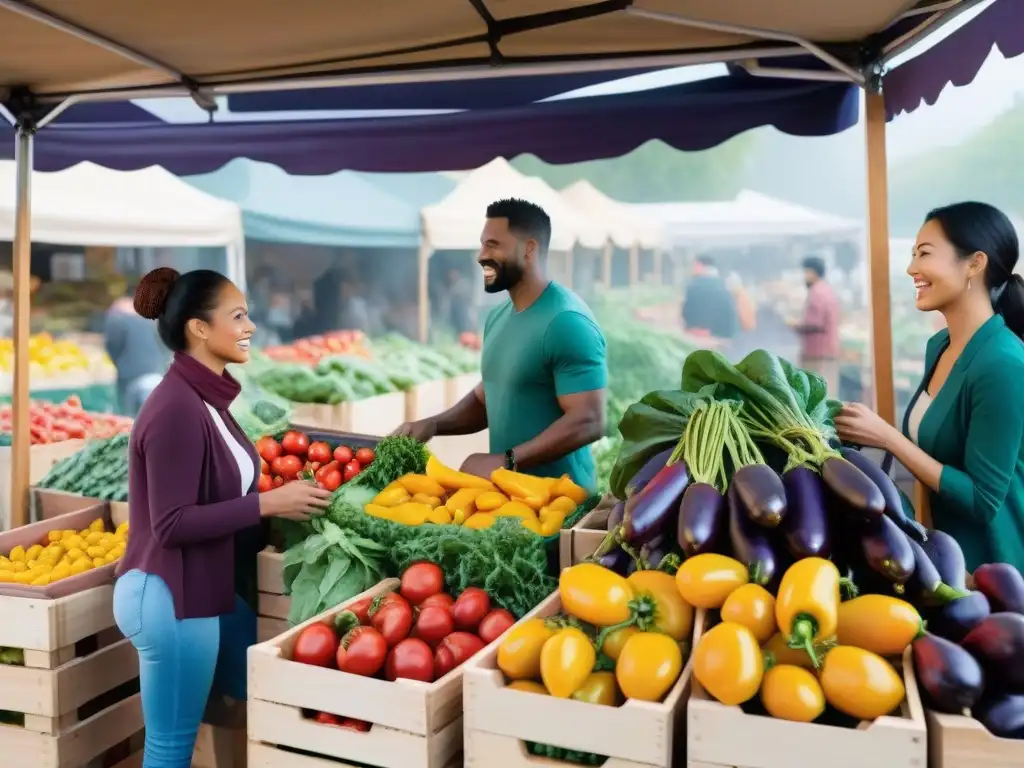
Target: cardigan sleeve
(173,453)
(995,431)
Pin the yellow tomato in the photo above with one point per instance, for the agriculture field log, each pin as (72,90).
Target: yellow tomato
(615,641)
(792,693)
(878,623)
(754,607)
(705,581)
(595,594)
(860,683)
(519,652)
(778,648)
(672,614)
(527,686)
(599,688)
(566,661)
(648,666)
(728,663)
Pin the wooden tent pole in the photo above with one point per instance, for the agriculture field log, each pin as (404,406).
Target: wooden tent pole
(878,256)
(21,441)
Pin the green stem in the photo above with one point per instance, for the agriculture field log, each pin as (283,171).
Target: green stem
(947,594)
(848,588)
(802,636)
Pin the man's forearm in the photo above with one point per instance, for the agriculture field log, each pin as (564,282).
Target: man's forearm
(466,417)
(572,431)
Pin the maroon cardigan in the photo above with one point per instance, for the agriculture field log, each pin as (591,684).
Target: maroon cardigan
(184,500)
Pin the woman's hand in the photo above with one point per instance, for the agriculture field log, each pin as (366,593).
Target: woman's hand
(295,501)
(858,424)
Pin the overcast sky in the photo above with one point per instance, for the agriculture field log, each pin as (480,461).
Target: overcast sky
(958,112)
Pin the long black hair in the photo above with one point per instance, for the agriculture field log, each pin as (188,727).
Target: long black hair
(172,299)
(974,227)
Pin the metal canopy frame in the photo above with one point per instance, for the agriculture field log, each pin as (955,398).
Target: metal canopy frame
(863,64)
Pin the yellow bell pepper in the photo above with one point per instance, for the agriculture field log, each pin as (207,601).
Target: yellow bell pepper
(391,497)
(563,503)
(376,510)
(552,522)
(533,491)
(421,484)
(490,501)
(439,515)
(411,513)
(459,516)
(532,524)
(454,480)
(515,509)
(479,521)
(807,605)
(464,499)
(566,487)
(430,501)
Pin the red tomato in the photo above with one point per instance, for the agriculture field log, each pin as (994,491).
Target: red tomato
(332,480)
(266,483)
(361,608)
(470,608)
(365,456)
(494,624)
(454,650)
(410,659)
(316,645)
(394,621)
(278,481)
(343,454)
(320,452)
(323,470)
(288,467)
(356,725)
(268,448)
(441,599)
(326,718)
(352,469)
(420,581)
(433,624)
(264,467)
(295,443)
(74,401)
(362,652)
(386,599)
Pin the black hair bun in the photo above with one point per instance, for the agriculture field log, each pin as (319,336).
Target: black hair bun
(154,288)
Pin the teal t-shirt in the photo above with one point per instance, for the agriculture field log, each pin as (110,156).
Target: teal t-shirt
(551,349)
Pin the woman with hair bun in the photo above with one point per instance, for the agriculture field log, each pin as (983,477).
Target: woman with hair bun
(194,514)
(963,432)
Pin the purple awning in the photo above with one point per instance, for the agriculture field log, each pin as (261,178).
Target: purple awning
(957,59)
(692,116)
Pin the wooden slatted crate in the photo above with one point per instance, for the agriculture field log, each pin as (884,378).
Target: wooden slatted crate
(582,540)
(958,741)
(274,605)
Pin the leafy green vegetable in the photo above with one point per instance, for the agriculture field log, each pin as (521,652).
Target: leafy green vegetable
(99,471)
(12,656)
(396,455)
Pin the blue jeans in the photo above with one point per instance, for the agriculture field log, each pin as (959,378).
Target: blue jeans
(180,662)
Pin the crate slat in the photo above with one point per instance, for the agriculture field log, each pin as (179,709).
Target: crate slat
(957,741)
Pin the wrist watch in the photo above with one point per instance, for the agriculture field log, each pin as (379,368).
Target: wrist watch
(510,459)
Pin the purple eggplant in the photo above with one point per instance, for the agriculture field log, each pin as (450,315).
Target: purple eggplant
(653,553)
(761,491)
(997,642)
(806,524)
(887,551)
(1002,714)
(703,520)
(646,473)
(1003,585)
(648,512)
(957,618)
(853,489)
(944,551)
(950,678)
(751,544)
(615,516)
(616,560)
(925,586)
(890,493)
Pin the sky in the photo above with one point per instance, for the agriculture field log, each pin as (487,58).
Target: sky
(958,112)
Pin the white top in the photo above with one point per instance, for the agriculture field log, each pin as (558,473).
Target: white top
(246,468)
(924,400)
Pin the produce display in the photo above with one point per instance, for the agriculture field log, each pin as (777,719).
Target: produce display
(52,358)
(57,422)
(98,471)
(295,457)
(64,553)
(445,496)
(311,350)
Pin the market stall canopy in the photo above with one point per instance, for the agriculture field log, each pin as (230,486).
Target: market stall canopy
(456,221)
(558,132)
(750,218)
(56,47)
(624,226)
(90,205)
(342,209)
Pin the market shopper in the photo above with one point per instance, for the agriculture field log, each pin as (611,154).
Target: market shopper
(819,327)
(544,372)
(963,432)
(132,345)
(194,515)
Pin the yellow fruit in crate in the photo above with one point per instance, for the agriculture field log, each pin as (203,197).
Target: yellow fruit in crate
(33,552)
(17,555)
(98,562)
(41,581)
(5,564)
(75,542)
(61,571)
(54,535)
(20,567)
(6,577)
(95,551)
(94,537)
(80,566)
(75,554)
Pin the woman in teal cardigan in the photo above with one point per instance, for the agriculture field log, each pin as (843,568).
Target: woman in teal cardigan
(963,433)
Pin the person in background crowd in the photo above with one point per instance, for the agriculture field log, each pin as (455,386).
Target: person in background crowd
(6,305)
(746,311)
(461,302)
(354,312)
(963,432)
(132,345)
(708,306)
(819,328)
(194,515)
(544,371)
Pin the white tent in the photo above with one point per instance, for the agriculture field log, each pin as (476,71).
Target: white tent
(749,218)
(622,224)
(456,221)
(90,205)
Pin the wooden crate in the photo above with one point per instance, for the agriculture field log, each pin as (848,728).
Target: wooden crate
(427,399)
(319,415)
(380,415)
(956,741)
(499,721)
(460,386)
(583,539)
(415,725)
(222,742)
(274,605)
(41,460)
(47,504)
(892,741)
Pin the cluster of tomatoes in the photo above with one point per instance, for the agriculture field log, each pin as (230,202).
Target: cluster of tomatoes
(419,632)
(57,422)
(285,461)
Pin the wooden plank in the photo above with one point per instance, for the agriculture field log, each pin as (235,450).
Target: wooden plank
(50,625)
(956,741)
